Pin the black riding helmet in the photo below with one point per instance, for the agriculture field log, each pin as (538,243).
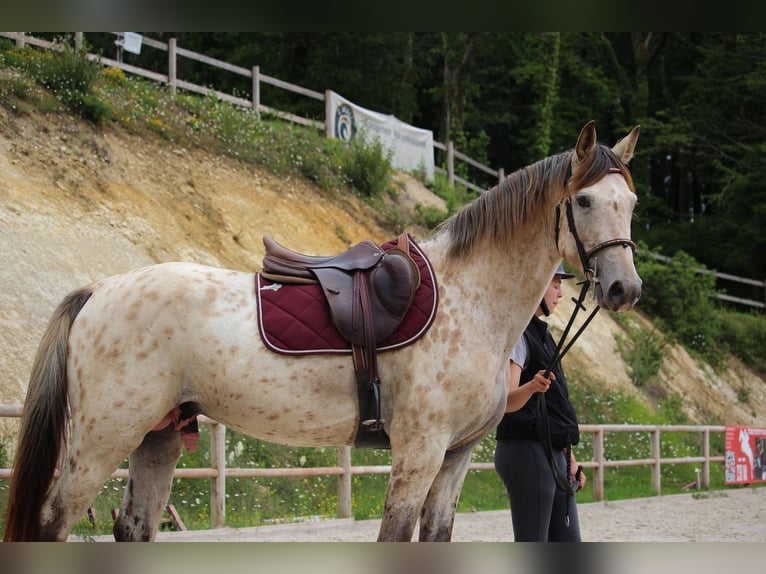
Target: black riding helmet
(564,275)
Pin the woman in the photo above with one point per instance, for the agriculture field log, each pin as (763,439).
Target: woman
(542,509)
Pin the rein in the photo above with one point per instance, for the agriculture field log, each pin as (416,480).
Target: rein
(542,410)
(591,277)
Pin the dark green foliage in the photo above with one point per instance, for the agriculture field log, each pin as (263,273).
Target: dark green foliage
(680,301)
(708,131)
(745,336)
(68,74)
(367,166)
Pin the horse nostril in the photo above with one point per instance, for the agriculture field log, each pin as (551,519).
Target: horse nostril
(623,296)
(616,291)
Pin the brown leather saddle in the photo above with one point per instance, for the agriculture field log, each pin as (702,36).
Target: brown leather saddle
(369,291)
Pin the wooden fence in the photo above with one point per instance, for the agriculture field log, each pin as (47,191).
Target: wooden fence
(218,472)
(174,52)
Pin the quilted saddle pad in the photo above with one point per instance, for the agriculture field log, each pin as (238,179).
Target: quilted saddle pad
(295,319)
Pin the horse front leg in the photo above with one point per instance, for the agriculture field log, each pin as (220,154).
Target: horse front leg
(151,468)
(414,464)
(438,513)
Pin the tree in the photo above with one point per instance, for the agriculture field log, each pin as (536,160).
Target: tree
(708,148)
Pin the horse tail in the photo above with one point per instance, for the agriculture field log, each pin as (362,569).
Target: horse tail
(44,419)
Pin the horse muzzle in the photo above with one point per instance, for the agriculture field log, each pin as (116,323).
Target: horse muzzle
(619,294)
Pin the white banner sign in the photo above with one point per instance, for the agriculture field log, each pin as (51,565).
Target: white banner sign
(413,148)
(131,42)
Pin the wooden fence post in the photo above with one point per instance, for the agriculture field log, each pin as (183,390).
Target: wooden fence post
(218,484)
(598,470)
(172,65)
(500,175)
(20,41)
(706,455)
(257,91)
(451,163)
(656,470)
(327,114)
(344,482)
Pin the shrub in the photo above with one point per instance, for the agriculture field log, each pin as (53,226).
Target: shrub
(68,74)
(455,197)
(367,166)
(643,352)
(429,217)
(745,336)
(680,301)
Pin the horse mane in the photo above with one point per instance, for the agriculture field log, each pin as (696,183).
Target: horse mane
(527,197)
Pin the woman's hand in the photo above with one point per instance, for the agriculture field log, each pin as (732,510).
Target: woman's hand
(518,395)
(541,384)
(578,476)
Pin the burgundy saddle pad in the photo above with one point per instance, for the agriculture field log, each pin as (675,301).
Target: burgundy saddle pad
(295,319)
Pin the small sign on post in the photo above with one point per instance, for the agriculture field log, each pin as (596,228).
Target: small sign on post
(130,42)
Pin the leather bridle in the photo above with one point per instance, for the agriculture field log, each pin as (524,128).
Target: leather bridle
(591,276)
(585,256)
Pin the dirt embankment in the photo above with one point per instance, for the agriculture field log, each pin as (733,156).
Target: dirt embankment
(77,205)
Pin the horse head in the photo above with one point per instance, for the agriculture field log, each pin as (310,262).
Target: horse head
(597,211)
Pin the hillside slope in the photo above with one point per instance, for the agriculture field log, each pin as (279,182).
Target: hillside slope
(78,204)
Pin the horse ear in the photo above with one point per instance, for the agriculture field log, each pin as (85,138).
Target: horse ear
(585,143)
(626,146)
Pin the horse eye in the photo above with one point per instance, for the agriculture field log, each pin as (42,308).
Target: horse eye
(583,201)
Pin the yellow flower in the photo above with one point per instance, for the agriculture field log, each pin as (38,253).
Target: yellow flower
(114,74)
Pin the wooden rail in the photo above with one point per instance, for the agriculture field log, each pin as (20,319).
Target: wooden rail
(218,472)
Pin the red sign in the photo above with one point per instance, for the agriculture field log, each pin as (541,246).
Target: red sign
(745,455)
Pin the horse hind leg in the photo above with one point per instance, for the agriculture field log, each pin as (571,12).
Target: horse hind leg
(438,514)
(151,468)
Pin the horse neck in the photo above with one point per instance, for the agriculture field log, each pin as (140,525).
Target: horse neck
(497,287)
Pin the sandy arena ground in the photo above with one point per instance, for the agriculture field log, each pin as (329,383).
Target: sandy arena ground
(737,515)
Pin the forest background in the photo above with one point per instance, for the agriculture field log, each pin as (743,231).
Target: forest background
(507,99)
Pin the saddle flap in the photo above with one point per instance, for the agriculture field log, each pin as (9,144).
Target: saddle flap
(391,286)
